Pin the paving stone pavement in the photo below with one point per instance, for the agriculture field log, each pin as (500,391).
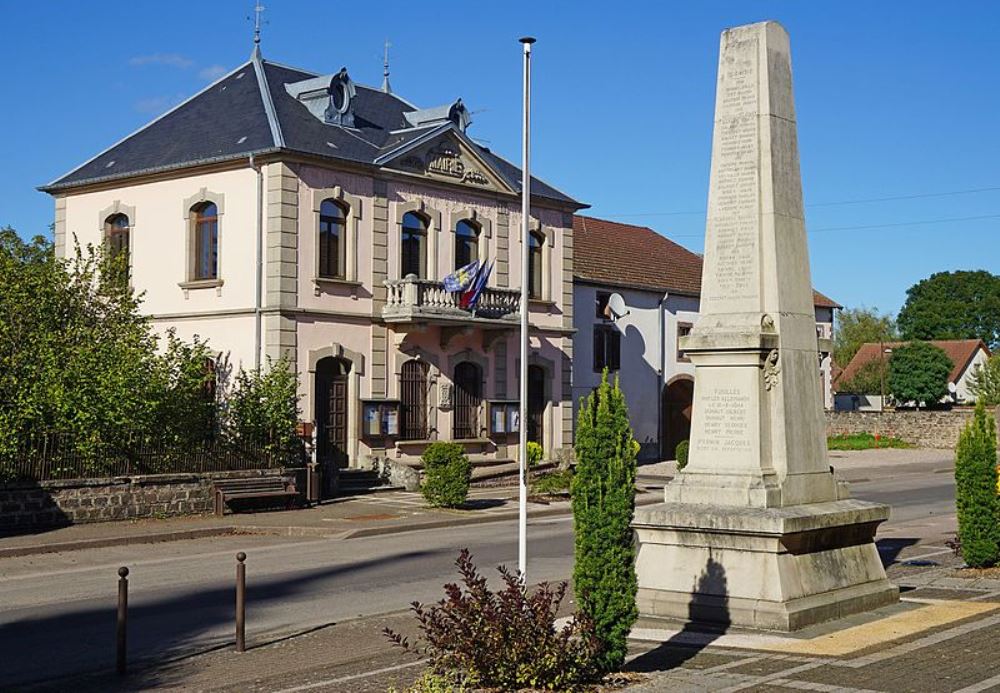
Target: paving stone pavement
(953,656)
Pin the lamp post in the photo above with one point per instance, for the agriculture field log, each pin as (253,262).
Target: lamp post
(522,454)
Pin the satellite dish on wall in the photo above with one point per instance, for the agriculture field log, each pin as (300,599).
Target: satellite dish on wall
(616,306)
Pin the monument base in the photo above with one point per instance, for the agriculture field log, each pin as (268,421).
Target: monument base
(765,568)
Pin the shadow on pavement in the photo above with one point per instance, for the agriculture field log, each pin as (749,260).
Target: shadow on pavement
(708,618)
(63,644)
(889,549)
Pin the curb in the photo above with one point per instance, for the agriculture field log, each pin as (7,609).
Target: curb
(286,531)
(152,538)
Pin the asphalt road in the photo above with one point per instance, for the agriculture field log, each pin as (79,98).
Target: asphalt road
(57,612)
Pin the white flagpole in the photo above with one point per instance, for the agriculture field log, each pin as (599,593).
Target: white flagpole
(522,541)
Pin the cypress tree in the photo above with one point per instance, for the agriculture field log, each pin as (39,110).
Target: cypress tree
(603,492)
(976,491)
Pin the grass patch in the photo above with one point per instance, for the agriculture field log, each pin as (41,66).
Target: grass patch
(863,441)
(552,482)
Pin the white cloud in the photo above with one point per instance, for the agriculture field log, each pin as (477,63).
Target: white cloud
(212,72)
(170,59)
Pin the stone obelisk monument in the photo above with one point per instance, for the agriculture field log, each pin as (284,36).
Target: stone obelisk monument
(757,531)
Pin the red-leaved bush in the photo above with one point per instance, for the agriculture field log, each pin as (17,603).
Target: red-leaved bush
(506,639)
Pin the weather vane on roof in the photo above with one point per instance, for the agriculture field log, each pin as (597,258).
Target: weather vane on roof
(258,10)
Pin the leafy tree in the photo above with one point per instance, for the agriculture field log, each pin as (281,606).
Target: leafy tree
(79,362)
(976,498)
(918,372)
(263,408)
(75,354)
(603,492)
(870,379)
(856,326)
(984,382)
(953,305)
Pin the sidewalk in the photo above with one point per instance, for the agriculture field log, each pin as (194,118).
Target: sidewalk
(350,516)
(941,637)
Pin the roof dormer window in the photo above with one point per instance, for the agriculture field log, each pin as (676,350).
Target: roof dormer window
(329,98)
(341,92)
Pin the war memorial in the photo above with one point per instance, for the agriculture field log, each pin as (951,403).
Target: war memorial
(757,531)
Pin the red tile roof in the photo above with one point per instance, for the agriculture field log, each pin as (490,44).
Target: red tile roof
(610,252)
(960,351)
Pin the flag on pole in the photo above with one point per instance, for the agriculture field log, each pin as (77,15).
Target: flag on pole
(471,295)
(462,278)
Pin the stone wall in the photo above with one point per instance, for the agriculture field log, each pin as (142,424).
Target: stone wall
(26,505)
(925,429)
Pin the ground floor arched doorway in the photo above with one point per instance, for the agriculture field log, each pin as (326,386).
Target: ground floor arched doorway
(468,379)
(675,427)
(331,411)
(536,404)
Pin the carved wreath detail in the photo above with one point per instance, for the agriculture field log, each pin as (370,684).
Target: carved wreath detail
(771,369)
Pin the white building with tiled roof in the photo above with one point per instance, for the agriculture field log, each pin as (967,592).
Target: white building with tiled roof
(660,282)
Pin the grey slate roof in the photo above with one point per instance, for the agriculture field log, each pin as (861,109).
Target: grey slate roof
(229,120)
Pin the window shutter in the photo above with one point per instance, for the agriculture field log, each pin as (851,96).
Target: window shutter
(614,349)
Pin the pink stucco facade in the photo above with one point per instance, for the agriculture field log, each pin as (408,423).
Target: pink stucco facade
(309,319)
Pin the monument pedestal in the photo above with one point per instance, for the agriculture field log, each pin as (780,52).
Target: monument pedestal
(765,568)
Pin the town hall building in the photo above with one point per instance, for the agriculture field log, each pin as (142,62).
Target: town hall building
(282,212)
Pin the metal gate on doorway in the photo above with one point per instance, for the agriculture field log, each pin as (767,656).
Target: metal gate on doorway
(468,401)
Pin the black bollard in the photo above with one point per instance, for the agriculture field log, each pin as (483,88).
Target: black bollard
(241,601)
(122,618)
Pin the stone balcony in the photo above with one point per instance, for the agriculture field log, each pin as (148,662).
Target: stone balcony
(422,300)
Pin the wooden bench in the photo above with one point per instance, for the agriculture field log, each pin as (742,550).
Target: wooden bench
(253,487)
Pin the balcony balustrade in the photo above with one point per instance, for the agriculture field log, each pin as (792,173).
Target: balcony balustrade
(417,300)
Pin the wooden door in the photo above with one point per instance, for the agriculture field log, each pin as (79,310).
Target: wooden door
(332,411)
(468,401)
(536,404)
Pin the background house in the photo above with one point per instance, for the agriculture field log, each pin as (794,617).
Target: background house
(965,354)
(660,282)
(280,212)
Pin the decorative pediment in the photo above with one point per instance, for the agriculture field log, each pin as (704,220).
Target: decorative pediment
(447,158)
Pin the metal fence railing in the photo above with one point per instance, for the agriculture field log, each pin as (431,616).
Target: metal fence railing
(54,456)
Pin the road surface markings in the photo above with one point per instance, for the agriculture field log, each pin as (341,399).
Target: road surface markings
(352,677)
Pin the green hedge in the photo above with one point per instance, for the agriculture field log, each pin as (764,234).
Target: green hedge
(976,491)
(447,473)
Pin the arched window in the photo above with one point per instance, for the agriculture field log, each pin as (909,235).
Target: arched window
(466,243)
(116,232)
(332,236)
(205,227)
(413,399)
(414,246)
(535,244)
(468,400)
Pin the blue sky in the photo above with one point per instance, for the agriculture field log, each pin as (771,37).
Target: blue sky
(894,100)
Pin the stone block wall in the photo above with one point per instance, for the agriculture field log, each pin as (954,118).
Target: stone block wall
(27,505)
(924,429)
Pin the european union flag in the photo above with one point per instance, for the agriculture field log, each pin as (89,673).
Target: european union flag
(462,278)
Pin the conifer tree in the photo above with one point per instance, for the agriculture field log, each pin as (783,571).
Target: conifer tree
(976,491)
(603,492)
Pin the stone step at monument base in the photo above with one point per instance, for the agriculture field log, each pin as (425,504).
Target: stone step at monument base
(776,569)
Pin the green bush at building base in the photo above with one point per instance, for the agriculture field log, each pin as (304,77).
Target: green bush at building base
(681,454)
(447,473)
(976,491)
